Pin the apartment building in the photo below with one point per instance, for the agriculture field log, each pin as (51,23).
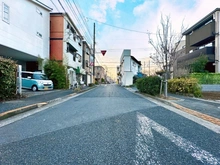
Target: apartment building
(129,67)
(66,46)
(203,38)
(86,63)
(24,34)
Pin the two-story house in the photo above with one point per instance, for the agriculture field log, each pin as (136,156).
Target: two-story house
(25,31)
(66,46)
(129,67)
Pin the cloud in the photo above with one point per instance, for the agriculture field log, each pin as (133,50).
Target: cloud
(99,11)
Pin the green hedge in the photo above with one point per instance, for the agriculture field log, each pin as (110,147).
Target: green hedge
(206,78)
(56,72)
(8,76)
(185,86)
(149,85)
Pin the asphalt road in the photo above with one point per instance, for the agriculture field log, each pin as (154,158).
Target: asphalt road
(108,125)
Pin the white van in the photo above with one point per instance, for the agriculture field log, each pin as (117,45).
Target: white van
(35,81)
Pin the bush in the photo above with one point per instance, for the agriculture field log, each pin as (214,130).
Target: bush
(206,78)
(57,73)
(185,86)
(8,77)
(198,66)
(149,85)
(91,84)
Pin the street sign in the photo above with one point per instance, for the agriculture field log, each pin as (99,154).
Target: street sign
(103,52)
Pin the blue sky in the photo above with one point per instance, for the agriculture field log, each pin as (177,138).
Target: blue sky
(138,15)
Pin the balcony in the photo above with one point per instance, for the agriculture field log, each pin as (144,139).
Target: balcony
(203,35)
(209,51)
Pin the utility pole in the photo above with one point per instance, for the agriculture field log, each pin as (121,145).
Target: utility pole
(94,51)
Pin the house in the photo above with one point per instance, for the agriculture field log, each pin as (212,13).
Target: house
(129,67)
(25,33)
(203,39)
(66,46)
(100,74)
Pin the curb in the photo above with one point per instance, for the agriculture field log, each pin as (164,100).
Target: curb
(20,110)
(16,111)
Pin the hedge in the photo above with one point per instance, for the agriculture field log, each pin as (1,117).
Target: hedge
(8,69)
(206,78)
(149,85)
(185,86)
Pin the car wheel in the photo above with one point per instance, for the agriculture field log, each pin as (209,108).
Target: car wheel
(34,88)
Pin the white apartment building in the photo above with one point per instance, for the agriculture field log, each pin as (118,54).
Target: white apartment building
(129,67)
(66,46)
(25,32)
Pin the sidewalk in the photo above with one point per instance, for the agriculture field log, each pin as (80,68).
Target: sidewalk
(206,109)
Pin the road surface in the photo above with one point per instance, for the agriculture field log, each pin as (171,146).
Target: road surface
(108,125)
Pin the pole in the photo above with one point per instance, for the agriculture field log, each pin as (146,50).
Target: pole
(165,89)
(94,50)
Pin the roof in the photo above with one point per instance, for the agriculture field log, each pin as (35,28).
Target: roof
(134,59)
(201,22)
(41,4)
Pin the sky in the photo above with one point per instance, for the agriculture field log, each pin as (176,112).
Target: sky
(125,24)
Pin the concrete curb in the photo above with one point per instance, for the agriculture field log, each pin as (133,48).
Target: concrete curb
(20,110)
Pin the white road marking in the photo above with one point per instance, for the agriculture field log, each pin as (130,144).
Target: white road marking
(189,147)
(146,152)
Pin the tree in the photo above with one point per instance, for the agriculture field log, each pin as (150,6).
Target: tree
(165,45)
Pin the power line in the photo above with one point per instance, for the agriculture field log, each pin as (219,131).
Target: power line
(120,27)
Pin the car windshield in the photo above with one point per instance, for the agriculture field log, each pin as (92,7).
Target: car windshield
(40,77)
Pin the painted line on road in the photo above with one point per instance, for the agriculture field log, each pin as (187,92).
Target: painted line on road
(211,126)
(189,147)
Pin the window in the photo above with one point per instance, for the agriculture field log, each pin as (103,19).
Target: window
(87,63)
(74,56)
(39,34)
(39,12)
(5,14)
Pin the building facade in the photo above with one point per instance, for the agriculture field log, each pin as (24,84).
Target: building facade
(66,46)
(129,67)
(100,74)
(25,33)
(203,39)
(86,64)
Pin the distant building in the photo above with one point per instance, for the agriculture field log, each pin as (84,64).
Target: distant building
(100,74)
(203,38)
(25,32)
(129,67)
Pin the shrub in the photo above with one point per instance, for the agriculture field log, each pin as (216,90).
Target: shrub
(185,86)
(8,76)
(57,73)
(198,66)
(149,85)
(91,84)
(206,78)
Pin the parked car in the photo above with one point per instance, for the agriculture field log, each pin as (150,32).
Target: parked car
(36,81)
